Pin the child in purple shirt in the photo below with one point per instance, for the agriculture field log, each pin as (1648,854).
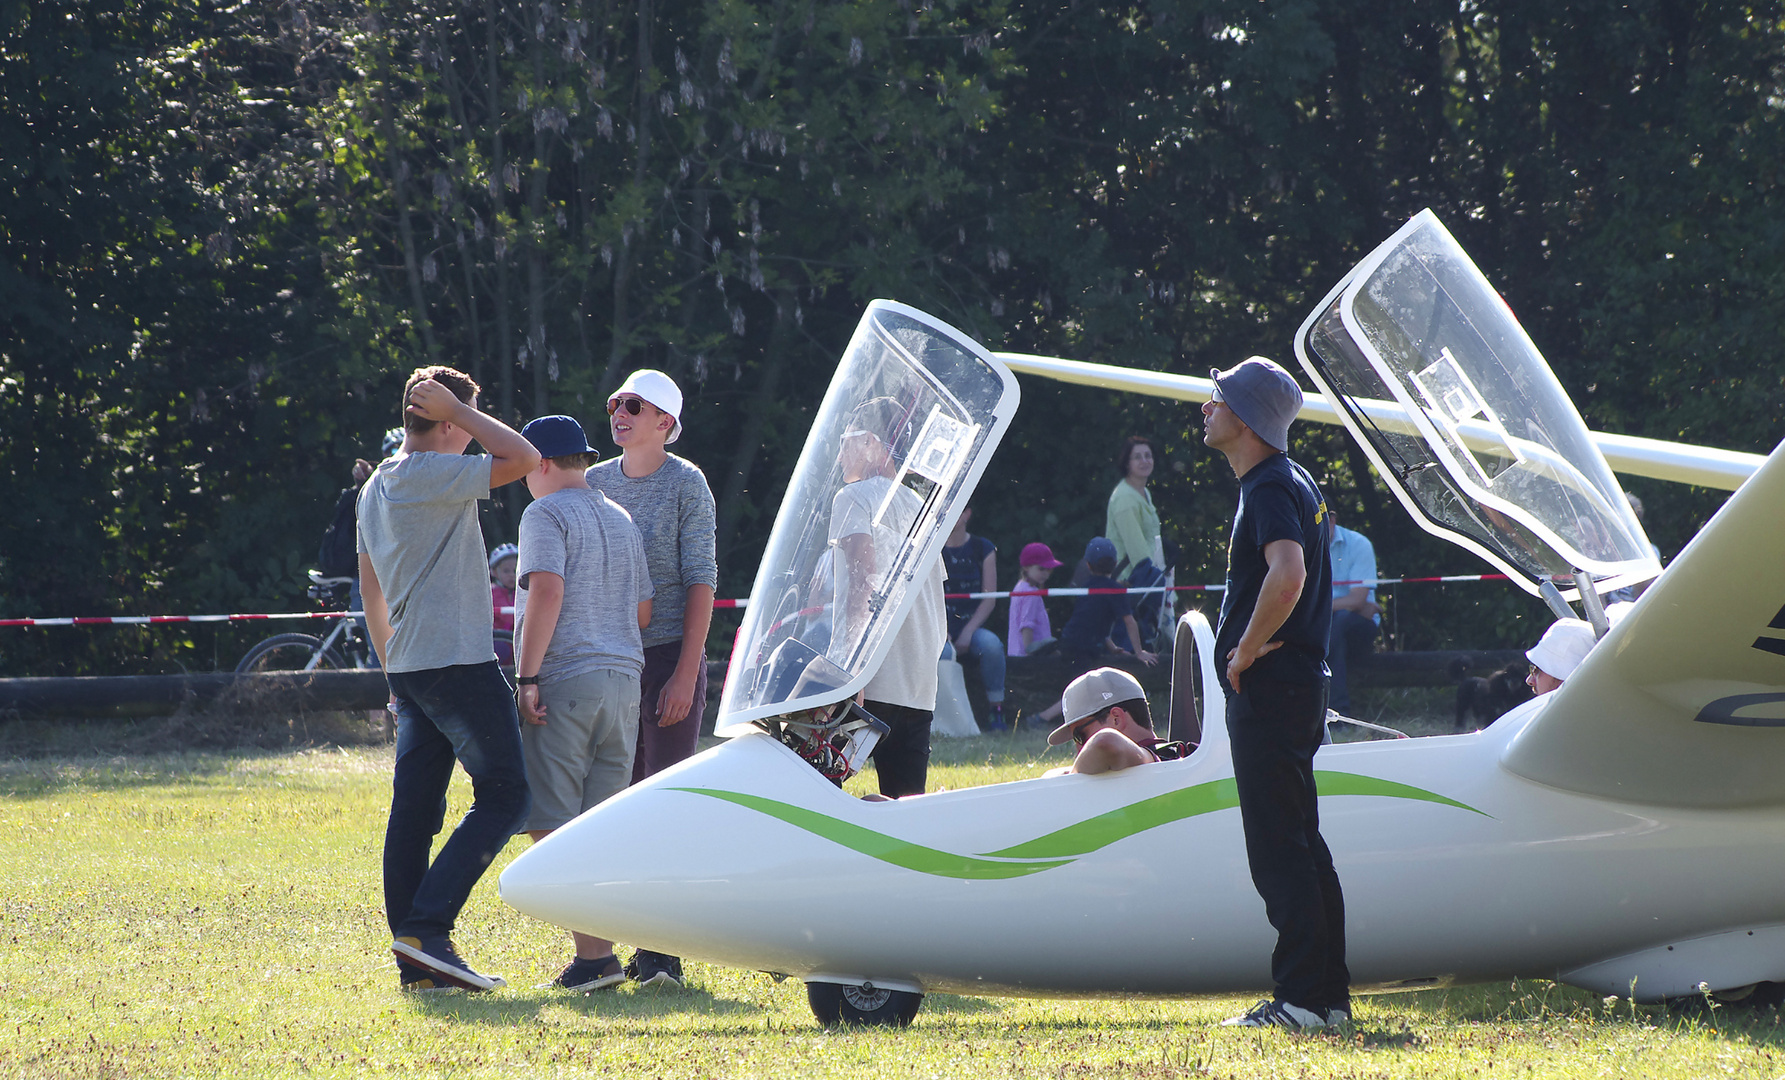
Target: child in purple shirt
(1029,626)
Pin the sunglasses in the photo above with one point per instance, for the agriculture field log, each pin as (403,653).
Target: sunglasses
(1082,732)
(1215,395)
(630,404)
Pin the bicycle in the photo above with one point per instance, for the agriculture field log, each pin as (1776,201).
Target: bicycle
(346,647)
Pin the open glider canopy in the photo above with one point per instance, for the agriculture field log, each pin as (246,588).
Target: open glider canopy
(899,443)
(1463,418)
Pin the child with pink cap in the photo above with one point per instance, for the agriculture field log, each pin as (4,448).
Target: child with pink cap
(1029,627)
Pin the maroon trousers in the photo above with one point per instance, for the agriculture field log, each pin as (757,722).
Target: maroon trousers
(661,747)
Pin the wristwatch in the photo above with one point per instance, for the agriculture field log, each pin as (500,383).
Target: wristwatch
(526,680)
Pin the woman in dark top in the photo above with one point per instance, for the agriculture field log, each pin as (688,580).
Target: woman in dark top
(972,565)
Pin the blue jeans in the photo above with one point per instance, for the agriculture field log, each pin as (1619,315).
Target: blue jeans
(464,713)
(988,648)
(1351,635)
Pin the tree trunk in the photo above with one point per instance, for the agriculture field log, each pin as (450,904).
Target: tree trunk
(536,347)
(774,361)
(399,187)
(616,356)
(503,352)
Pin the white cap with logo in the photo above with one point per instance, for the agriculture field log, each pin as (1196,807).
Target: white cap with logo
(1090,694)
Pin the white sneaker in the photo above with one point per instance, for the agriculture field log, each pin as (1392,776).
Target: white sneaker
(1269,1013)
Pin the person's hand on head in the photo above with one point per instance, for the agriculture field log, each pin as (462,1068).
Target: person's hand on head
(362,470)
(432,401)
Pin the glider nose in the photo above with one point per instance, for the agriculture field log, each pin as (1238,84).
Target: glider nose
(557,879)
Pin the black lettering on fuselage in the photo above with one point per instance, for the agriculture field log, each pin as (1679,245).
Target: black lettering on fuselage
(1724,709)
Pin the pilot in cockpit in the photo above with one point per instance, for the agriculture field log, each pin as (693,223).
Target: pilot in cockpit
(1107,717)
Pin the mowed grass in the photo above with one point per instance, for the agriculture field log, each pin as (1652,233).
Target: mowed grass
(219,915)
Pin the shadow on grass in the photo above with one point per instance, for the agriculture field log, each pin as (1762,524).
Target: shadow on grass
(630,1003)
(48,777)
(1539,1001)
(955,1005)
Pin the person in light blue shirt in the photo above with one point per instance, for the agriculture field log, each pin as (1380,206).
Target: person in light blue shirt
(1356,616)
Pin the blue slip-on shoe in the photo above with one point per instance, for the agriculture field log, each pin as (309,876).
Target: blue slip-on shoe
(585,975)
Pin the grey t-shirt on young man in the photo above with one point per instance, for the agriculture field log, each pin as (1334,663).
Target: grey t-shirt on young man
(590,542)
(418,522)
(673,509)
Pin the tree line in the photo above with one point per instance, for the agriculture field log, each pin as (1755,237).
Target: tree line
(230,231)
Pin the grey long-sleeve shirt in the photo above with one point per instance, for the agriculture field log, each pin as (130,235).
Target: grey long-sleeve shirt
(673,509)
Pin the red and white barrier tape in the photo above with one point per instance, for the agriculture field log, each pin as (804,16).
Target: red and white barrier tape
(147,620)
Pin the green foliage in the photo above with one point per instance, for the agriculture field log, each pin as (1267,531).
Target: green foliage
(230,231)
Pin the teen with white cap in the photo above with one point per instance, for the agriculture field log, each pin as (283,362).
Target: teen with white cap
(671,504)
(1275,617)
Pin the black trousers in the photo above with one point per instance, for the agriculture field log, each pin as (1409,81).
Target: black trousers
(1275,727)
(902,758)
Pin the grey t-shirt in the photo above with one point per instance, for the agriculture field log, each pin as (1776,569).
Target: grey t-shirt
(418,522)
(673,509)
(589,541)
(907,675)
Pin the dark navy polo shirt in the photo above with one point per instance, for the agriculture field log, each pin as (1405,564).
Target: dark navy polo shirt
(1278,501)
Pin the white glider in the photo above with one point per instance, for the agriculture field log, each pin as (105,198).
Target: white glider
(1625,833)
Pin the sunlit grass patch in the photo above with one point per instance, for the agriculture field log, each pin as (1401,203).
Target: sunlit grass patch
(219,915)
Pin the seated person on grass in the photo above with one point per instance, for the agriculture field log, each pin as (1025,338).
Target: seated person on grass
(1107,716)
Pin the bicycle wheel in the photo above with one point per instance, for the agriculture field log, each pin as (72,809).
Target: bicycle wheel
(287,652)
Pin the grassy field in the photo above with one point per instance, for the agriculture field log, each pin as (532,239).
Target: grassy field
(217,915)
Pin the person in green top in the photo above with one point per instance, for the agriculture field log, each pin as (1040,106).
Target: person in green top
(1131,522)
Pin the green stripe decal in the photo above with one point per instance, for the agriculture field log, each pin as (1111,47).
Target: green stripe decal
(1062,845)
(878,845)
(1105,829)
(1344,783)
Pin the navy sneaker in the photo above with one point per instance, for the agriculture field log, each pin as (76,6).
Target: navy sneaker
(585,975)
(438,961)
(414,980)
(655,968)
(1281,1014)
(1338,1016)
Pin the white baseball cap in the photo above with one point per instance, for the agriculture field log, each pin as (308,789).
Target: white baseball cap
(658,389)
(1561,649)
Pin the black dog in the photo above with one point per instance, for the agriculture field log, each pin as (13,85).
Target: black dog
(1486,699)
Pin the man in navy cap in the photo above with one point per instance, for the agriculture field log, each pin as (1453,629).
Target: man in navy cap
(1275,617)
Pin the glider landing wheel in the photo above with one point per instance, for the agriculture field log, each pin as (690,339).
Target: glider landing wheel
(861,1003)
